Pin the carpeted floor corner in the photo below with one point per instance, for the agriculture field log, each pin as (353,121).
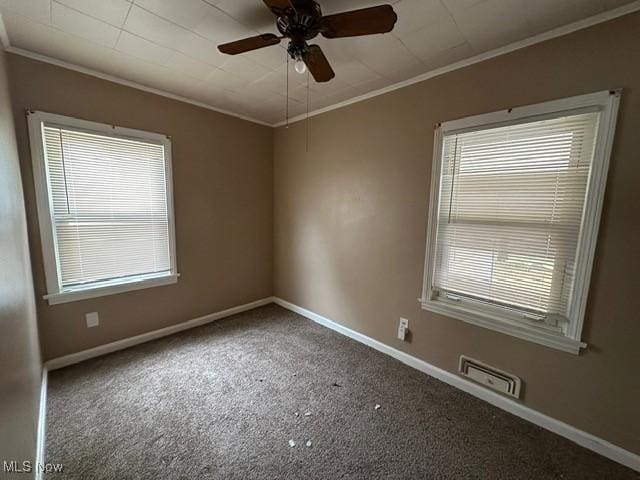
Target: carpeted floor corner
(222,402)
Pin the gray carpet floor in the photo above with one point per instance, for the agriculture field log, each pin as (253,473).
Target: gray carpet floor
(222,401)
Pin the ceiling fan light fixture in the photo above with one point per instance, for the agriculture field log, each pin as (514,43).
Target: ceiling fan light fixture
(300,66)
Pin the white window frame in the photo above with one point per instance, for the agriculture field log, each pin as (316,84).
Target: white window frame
(56,294)
(569,338)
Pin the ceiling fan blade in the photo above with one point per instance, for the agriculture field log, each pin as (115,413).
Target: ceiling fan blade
(318,64)
(305,7)
(365,21)
(248,44)
(277,6)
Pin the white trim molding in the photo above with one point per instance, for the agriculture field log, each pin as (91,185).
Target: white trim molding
(139,283)
(527,42)
(554,33)
(127,83)
(582,438)
(510,319)
(78,357)
(42,423)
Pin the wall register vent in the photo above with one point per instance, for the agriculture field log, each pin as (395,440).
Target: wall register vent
(491,377)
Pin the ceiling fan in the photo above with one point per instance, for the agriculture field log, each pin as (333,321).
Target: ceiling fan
(302,20)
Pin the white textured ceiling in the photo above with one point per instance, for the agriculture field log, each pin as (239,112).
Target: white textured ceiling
(171,44)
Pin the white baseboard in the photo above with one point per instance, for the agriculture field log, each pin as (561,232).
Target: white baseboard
(42,422)
(66,360)
(580,437)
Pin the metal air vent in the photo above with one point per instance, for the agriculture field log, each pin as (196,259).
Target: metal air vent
(491,377)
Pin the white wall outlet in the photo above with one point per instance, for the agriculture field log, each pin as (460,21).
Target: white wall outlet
(403,329)
(92,319)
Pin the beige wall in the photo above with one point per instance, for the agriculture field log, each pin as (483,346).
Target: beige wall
(20,365)
(222,176)
(351,219)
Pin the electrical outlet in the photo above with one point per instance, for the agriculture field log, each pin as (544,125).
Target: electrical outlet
(403,329)
(92,319)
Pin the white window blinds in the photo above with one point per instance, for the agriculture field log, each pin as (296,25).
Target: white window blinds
(108,203)
(510,211)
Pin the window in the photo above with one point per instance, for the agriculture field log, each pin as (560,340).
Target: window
(104,206)
(515,206)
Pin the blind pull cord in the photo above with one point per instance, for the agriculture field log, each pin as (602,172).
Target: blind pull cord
(453,178)
(64,173)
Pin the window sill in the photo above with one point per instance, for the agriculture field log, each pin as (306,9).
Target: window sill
(537,335)
(111,289)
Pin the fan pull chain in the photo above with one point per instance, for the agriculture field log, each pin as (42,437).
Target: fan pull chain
(307,120)
(286,66)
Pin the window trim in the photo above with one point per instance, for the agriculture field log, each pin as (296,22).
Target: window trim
(607,102)
(55,293)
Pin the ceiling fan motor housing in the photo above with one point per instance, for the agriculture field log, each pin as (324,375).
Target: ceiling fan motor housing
(299,25)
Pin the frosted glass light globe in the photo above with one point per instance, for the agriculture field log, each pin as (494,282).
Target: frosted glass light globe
(300,66)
